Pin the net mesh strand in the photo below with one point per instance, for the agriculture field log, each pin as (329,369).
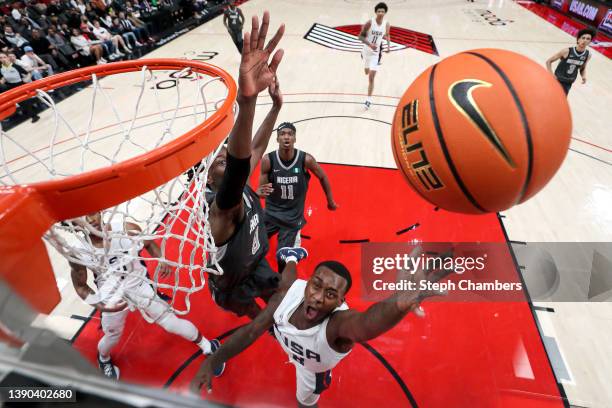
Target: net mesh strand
(173,216)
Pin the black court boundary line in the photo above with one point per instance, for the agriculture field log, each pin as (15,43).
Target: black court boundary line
(544,309)
(591,156)
(87,320)
(354,241)
(410,228)
(195,355)
(562,393)
(398,379)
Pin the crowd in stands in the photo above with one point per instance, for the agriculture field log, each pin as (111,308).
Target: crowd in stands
(42,37)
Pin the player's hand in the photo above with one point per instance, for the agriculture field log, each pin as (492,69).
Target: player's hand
(388,49)
(410,300)
(583,80)
(265,190)
(203,377)
(275,93)
(255,72)
(373,47)
(164,270)
(117,307)
(332,206)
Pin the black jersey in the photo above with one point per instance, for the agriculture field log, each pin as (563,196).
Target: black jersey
(290,183)
(241,254)
(568,68)
(233,20)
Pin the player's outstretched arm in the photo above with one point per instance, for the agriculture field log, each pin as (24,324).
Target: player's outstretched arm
(242,338)
(255,75)
(561,54)
(350,327)
(262,137)
(78,273)
(312,165)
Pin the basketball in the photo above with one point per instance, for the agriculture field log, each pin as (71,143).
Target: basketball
(481,131)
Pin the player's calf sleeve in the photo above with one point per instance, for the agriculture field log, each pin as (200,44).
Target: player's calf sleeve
(235,178)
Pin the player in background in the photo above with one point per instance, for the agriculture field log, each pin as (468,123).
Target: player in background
(285,174)
(573,60)
(372,34)
(233,20)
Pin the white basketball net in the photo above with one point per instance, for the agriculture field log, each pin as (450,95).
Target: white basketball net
(174,216)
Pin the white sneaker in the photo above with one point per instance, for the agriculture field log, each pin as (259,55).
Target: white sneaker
(120,54)
(137,44)
(368,104)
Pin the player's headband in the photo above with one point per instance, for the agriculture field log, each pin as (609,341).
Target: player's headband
(286,125)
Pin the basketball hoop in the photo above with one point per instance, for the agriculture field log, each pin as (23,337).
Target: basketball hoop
(133,175)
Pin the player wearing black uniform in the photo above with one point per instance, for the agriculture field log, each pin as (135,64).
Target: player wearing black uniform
(233,19)
(573,59)
(236,216)
(284,178)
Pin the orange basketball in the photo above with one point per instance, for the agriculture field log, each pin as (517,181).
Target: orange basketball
(481,131)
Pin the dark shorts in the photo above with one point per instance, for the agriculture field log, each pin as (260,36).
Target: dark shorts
(262,282)
(565,85)
(288,236)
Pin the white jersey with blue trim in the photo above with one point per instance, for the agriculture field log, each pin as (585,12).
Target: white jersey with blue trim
(375,34)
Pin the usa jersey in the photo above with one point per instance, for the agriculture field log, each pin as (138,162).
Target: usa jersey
(375,34)
(308,348)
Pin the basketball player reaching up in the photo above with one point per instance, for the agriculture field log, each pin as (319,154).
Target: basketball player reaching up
(283,181)
(113,258)
(236,216)
(314,325)
(372,34)
(233,20)
(573,60)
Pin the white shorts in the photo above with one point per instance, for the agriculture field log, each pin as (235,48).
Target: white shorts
(371,59)
(310,385)
(143,298)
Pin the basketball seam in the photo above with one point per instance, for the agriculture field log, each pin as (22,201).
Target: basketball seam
(524,121)
(447,156)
